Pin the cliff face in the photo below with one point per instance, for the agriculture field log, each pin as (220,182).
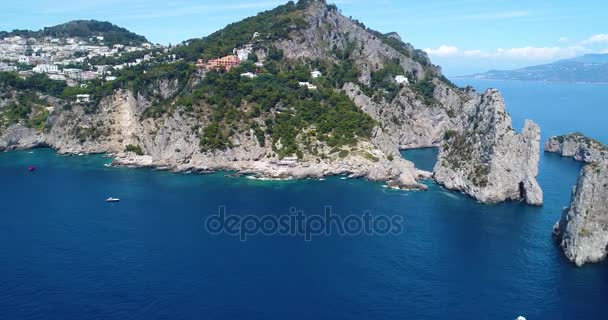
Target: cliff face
(578,146)
(583,229)
(487,159)
(484,157)
(172,142)
(500,165)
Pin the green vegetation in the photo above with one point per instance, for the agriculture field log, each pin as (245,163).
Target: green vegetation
(213,138)
(28,110)
(84,29)
(581,138)
(425,89)
(459,152)
(92,132)
(585,233)
(135,149)
(405,49)
(271,25)
(274,105)
(37,82)
(382,83)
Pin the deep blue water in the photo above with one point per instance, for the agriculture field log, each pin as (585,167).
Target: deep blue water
(66,254)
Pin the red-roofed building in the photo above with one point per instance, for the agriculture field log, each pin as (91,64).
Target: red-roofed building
(224,63)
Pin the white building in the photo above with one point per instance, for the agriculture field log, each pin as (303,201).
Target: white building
(83,98)
(57,77)
(315,74)
(73,73)
(89,75)
(308,85)
(288,161)
(259,64)
(250,75)
(46,68)
(401,79)
(25,59)
(243,53)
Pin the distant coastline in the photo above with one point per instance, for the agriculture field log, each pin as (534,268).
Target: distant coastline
(523,80)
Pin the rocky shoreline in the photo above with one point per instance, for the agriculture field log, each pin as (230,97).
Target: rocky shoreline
(582,231)
(396,173)
(578,146)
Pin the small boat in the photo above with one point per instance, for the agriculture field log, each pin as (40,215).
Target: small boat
(110,199)
(31,169)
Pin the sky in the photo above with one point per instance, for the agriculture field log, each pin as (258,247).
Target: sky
(463,36)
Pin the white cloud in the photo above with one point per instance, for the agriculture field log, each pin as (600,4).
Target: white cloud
(598,38)
(443,51)
(520,53)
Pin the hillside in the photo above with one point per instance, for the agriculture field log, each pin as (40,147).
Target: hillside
(111,33)
(317,94)
(592,68)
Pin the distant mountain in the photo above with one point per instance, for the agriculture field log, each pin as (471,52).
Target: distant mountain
(112,34)
(591,68)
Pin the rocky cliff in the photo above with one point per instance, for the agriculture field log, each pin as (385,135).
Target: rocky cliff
(583,229)
(357,62)
(484,157)
(172,143)
(578,146)
(487,158)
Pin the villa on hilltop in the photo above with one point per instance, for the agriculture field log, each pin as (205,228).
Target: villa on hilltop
(224,63)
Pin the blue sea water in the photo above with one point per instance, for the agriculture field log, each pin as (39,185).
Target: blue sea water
(67,254)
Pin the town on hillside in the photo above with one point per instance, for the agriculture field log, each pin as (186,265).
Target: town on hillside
(68,59)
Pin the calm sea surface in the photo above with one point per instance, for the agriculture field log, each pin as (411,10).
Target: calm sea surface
(67,254)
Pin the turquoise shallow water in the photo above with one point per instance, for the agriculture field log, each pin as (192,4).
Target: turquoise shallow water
(66,254)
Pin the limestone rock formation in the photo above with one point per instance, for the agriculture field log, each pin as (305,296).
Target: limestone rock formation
(488,159)
(362,64)
(583,228)
(578,146)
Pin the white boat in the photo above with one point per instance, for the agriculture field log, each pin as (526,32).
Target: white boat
(110,199)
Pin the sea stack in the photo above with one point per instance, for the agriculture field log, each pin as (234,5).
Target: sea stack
(578,146)
(582,231)
(487,159)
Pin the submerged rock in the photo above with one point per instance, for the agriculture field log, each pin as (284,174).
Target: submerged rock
(582,231)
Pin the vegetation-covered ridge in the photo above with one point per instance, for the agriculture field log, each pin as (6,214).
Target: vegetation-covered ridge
(270,25)
(111,33)
(578,136)
(273,105)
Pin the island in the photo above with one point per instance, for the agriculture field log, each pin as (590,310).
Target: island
(582,231)
(299,91)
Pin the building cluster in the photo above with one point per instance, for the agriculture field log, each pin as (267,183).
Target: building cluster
(229,62)
(57,57)
(224,63)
